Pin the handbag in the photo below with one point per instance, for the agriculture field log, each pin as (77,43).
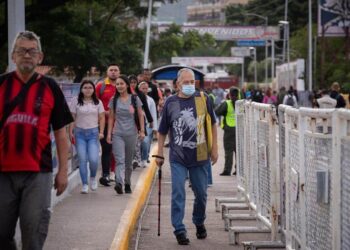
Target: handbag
(208,125)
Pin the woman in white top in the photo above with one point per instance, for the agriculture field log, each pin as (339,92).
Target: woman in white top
(88,126)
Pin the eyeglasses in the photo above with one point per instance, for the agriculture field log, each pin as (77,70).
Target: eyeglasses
(23,51)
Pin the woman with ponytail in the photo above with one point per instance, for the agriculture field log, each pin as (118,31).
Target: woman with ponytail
(125,124)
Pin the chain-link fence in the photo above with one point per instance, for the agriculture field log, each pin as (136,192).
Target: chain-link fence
(257,166)
(300,175)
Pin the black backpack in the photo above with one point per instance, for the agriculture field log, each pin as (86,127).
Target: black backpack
(290,100)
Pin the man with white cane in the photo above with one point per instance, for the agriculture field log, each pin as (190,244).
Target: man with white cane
(190,120)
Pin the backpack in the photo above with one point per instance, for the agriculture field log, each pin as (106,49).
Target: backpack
(134,104)
(290,100)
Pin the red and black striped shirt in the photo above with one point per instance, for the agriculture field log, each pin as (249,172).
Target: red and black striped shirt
(25,143)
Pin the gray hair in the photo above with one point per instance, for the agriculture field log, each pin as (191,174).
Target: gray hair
(179,73)
(27,35)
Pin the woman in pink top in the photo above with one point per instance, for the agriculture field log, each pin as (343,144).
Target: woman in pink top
(269,98)
(86,131)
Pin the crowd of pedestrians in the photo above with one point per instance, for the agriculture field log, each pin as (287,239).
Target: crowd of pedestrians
(120,115)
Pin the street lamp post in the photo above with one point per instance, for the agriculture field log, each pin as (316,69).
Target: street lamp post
(16,23)
(255,70)
(266,50)
(148,34)
(310,46)
(287,28)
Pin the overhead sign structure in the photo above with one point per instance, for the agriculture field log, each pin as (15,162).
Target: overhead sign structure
(251,43)
(230,33)
(198,61)
(240,51)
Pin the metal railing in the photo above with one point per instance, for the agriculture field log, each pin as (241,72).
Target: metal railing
(295,172)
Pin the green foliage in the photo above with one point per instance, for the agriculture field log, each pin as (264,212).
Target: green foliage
(77,35)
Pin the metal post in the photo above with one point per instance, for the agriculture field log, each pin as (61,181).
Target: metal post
(284,31)
(266,56)
(288,53)
(272,59)
(148,34)
(16,23)
(310,47)
(255,70)
(315,62)
(242,82)
(266,52)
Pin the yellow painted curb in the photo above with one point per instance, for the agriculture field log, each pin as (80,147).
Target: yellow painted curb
(134,206)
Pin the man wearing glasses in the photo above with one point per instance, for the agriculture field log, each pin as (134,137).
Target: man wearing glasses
(184,118)
(30,104)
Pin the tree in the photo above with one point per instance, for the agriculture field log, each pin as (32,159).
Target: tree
(79,34)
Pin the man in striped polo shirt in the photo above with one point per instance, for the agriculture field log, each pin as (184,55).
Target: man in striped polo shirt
(30,105)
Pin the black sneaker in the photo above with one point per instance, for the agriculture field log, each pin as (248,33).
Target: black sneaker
(201,232)
(225,173)
(118,188)
(234,173)
(182,239)
(135,165)
(104,181)
(127,189)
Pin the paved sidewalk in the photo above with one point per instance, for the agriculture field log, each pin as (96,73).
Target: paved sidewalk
(217,237)
(105,220)
(88,221)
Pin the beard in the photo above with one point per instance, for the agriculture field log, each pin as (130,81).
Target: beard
(26,68)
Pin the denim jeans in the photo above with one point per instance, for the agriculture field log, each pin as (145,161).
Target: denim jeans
(199,180)
(87,144)
(210,175)
(146,144)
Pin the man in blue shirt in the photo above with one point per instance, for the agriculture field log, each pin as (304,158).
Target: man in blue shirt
(184,118)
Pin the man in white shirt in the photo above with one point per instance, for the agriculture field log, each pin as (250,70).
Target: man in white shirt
(326,102)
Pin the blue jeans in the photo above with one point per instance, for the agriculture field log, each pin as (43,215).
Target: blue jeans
(210,176)
(87,145)
(199,180)
(146,144)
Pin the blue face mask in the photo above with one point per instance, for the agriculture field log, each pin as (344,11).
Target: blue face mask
(188,90)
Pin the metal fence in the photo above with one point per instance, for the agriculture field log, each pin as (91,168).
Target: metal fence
(256,160)
(295,172)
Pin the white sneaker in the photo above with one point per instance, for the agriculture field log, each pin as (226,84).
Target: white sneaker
(93,184)
(85,189)
(143,163)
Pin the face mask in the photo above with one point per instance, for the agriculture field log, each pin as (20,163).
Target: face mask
(188,90)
